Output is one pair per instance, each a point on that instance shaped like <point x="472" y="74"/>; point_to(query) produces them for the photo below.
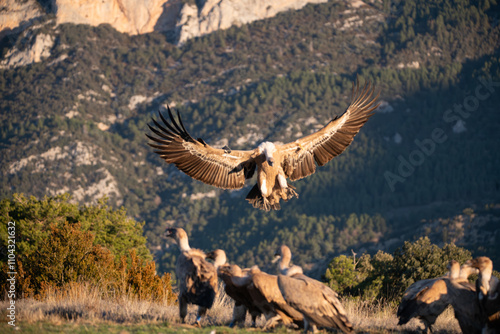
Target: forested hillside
<point x="76" y="123"/>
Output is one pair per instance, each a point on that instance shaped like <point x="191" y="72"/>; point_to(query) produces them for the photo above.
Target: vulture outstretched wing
<point x="322" y="146"/>
<point x="217" y="167"/>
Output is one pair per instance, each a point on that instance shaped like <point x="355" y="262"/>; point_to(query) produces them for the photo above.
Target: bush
<point x="58" y="243"/>
<point x="387" y="276"/>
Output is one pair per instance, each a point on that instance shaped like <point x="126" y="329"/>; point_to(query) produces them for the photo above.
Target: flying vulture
<point x="275" y="163"/>
<point x="318" y="303"/>
<point x="197" y="278"/>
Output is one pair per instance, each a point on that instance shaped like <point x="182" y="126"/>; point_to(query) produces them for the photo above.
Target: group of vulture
<point x="294" y="299"/>
<point x="476" y="306"/>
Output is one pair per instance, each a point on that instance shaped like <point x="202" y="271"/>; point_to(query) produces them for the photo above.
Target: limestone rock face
<point x="39" y="49"/>
<point x="127" y="16"/>
<point x="17" y="14"/>
<point x="222" y="14"/>
<point x="144" y="16"/>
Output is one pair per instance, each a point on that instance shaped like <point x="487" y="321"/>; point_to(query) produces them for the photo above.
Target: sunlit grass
<point x="82" y="308"/>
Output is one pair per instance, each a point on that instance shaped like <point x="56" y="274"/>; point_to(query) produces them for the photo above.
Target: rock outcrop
<point x="127" y="16"/>
<point x="189" y="19"/>
<point x="16" y="15"/>
<point x="39" y="48"/>
<point x="222" y="14"/>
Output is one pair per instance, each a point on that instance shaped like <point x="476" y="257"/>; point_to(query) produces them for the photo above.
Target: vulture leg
<point x="254" y="320"/>
<point x="308" y="327"/>
<point x="201" y="312"/>
<point x="272" y="322"/>
<point x="182" y="308"/>
<point x="239" y="314"/>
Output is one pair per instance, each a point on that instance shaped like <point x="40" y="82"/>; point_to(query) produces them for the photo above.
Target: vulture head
<point x="180" y="237"/>
<point x="218" y="256"/>
<point x="268" y="149"/>
<point x="284" y="256"/>
<point x="485" y="267"/>
<point x="236" y="274"/>
<point x="466" y="270"/>
<point x="453" y="268"/>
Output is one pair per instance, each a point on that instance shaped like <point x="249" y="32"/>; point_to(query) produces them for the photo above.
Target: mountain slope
<point x="76" y="122"/>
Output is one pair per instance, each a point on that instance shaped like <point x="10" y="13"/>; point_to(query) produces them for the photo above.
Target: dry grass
<point x="380" y="317"/>
<point x="84" y="304"/>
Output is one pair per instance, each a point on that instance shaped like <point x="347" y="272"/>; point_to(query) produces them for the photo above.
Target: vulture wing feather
<point x="175" y="145"/>
<point x="333" y="138"/>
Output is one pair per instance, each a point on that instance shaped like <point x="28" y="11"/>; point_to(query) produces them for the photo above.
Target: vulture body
<point x="275" y="163"/>
<point x="427" y="299"/>
<point x="240" y="295"/>
<point x="462" y="295"/>
<point x="487" y="294"/>
<point x="263" y="294"/>
<point x="318" y="303"/>
<point x="196" y="276"/>
<point x="266" y="286"/>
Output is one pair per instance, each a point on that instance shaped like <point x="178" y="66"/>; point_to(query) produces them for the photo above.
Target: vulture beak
<point x="210" y="255"/>
<point x="169" y="232"/>
<point x="277" y="257"/>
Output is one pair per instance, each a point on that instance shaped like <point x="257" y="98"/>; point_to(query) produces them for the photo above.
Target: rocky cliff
<point x="222" y="14"/>
<point x="188" y="18"/>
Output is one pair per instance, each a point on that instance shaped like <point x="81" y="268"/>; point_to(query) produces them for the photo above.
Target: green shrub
<point x="387" y="276"/>
<point x="58" y="243"/>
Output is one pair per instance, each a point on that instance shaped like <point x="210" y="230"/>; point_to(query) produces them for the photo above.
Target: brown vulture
<point x="275" y="163"/>
<point x="240" y="295"/>
<point x="262" y="293"/>
<point x="488" y="294"/>
<point x="197" y="278"/>
<point x="318" y="303"/>
<point x="427" y="299"/>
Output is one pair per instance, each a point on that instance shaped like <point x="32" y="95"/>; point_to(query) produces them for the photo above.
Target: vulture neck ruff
<point x="183" y="243"/>
<point x="454" y="270"/>
<point x="268" y="149"/>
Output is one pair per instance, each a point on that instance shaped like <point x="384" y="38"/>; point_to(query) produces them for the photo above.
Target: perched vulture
<point x="318" y="303"/>
<point x="427" y="299"/>
<point x="275" y="163"/>
<point x="488" y="290"/>
<point x="264" y="294"/>
<point x="240" y="295"/>
<point x="197" y="278"/>
<point x="462" y="296"/>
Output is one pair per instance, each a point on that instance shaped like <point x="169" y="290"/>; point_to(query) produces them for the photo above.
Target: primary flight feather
<point x="228" y="169"/>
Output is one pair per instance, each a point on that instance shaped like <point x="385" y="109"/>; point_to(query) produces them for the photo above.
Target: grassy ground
<point x="82" y="310"/>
